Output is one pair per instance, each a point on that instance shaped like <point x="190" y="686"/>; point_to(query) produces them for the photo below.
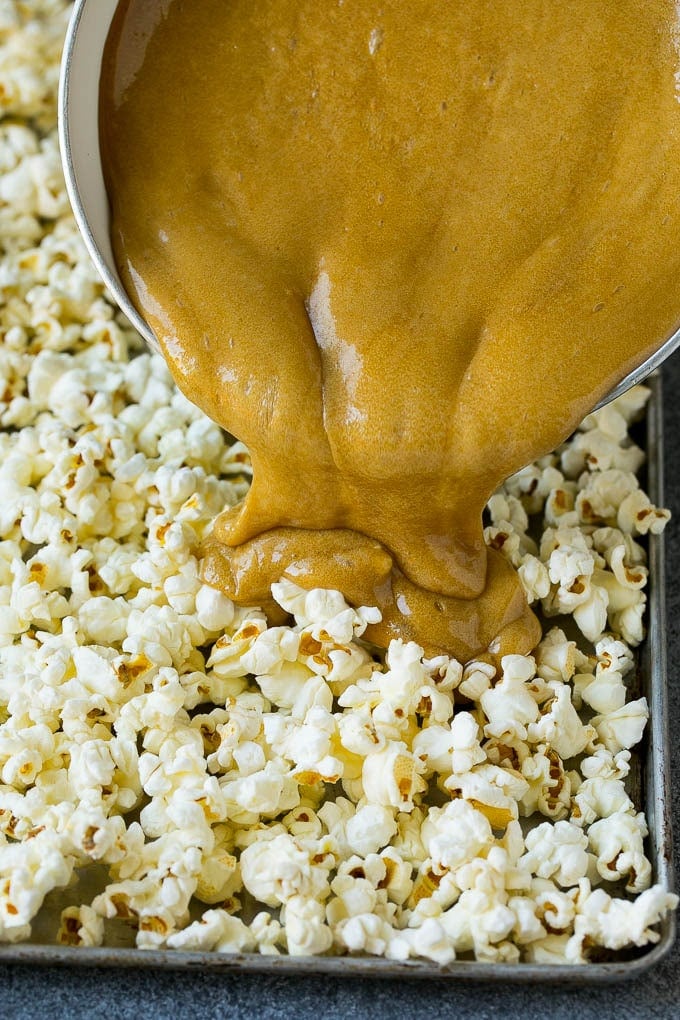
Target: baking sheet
<point x="651" y="791"/>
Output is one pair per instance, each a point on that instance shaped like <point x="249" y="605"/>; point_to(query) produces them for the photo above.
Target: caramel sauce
<point x="398" y="249"/>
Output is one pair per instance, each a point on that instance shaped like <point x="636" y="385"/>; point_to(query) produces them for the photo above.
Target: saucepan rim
<point x="70" y="135"/>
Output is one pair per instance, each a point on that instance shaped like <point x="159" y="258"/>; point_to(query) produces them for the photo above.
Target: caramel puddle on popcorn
<point x="399" y="250"/>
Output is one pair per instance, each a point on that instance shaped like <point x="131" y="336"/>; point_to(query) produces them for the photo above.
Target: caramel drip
<point x="399" y="250"/>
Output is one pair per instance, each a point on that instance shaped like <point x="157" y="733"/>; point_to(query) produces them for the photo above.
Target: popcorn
<point x="219" y="877"/>
<point x="28" y="871"/>
<point x="557" y="852"/>
<point x="527" y="927"/>
<point x="396" y="881"/>
<point x="370" y="829"/>
<point x="365" y="933"/>
<point x="269" y="791"/>
<point x="622" y="728"/>
<point x="559" y="724"/>
<point x="429" y="940"/>
<point x="556" y="657"/>
<point x="617" y="839"/>
<point x="217" y="930"/>
<point x="324" y="609"/>
<point x="276" y="871"/>
<point x="613" y="923"/>
<point x="555" y="908"/>
<point x="80" y="926"/>
<point x="477" y="922"/>
<point x="491" y="790"/>
<point x="393" y="776"/>
<point x="434" y="746"/>
<point x="307" y="934"/>
<point x="637" y="514"/>
<point x="549" y="786"/>
<point x="511" y="705"/>
<point x="157" y="900"/>
<point x="455" y="834"/>
<point x="476" y="679"/>
<point x="534" y="577"/>
<point x="267" y="934"/>
<point x="192" y="753"/>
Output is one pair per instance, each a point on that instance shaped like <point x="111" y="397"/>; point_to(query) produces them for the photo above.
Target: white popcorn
<point x="429" y="940"/>
<point x="637" y="514"/>
<point x="527" y="927"/>
<point x="559" y="724"/>
<point x="433" y="892"/>
<point x="216" y="930"/>
<point x="158" y="899"/>
<point x="614" y="923"/>
<point x="622" y="728"/>
<point x="365" y="933"/>
<point x="370" y="829"/>
<point x="617" y="840"/>
<point x="549" y="787"/>
<point x="476" y="679"/>
<point x="219" y="877"/>
<point x="493" y="791"/>
<point x="569" y="555"/>
<point x="267" y="933"/>
<point x="268" y="791"/>
<point x="511" y="705"/>
<point x="553" y="949"/>
<point x="319" y="608"/>
<point x="80" y="926"/>
<point x="93" y="834"/>
<point x="556" y="657"/>
<point x="406" y="676"/>
<point x="560" y="509"/>
<point x="307" y="933"/>
<point x="392" y="776"/>
<point x="455" y="834"/>
<point x="614" y="655"/>
<point x="604" y="492"/>
<point x="396" y="881"/>
<point x="270" y="651"/>
<point x="590" y="613"/>
<point x="360" y="736"/>
<point x="334" y="814"/>
<point x="604" y="764"/>
<point x="599" y="797"/>
<point x="28" y="871"/>
<point x="605" y="693"/>
<point x="534" y="577"/>
<point x="477" y="922"/>
<point x="91" y="765"/>
<point x="225" y="658"/>
<point x="276" y="871"/>
<point x="309" y="745"/>
<point x="467" y="751"/>
<point x="555" y="908"/>
<point x="434" y="746"/>
<point x="557" y="852"/>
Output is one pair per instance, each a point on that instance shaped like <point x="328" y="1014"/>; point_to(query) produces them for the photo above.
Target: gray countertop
<point x="48" y="992"/>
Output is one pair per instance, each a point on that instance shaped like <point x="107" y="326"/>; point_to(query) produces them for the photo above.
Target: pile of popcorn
<point x="245" y="787"/>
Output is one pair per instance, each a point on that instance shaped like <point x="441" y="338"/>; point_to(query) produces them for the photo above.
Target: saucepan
<point x="79" y="139"/>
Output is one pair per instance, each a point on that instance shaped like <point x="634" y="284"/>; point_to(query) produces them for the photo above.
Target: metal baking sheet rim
<point x="655" y="783"/>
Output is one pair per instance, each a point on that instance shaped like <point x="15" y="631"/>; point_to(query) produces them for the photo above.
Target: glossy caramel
<point x="399" y="249"/>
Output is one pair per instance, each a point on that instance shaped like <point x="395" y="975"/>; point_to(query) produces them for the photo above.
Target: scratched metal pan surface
<point x="650" y="790"/>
